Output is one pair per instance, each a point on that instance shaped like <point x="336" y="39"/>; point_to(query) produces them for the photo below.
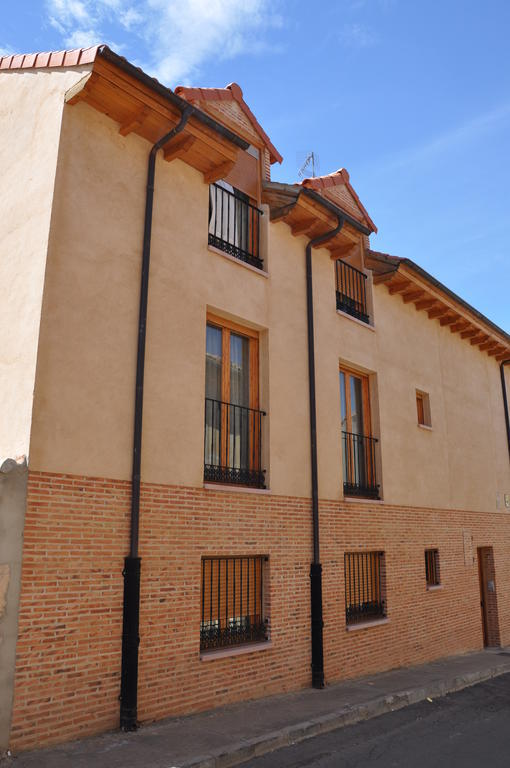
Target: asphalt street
<point x="463" y="730"/>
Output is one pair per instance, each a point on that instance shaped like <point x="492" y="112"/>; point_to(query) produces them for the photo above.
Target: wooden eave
<point x="401" y="280"/>
<point x="308" y="217"/>
<point x="139" y="109"/>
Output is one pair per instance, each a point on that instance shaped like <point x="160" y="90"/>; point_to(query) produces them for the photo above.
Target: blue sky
<point x="412" y="97"/>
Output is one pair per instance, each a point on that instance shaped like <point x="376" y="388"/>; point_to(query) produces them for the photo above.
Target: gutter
<point x="293" y="191"/>
<point x="317" y="623"/>
<point x="505" y="400"/>
<point x="150" y="82"/>
<point x="132" y="563"/>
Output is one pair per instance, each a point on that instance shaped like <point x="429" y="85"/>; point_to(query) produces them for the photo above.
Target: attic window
<point x="423" y="409"/>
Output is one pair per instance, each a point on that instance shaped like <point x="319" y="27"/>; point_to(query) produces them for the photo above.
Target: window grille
<point x="432" y="567"/>
<point x="232" y="605"/>
<point x="364" y="586"/>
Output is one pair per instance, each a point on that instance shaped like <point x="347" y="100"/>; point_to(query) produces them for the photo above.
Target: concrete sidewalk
<point x="231" y="735"/>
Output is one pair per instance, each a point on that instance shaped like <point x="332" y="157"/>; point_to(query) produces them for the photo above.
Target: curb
<point x="240" y="752"/>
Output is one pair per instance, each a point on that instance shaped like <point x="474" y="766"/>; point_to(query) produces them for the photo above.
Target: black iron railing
<point x="232" y="601"/>
<point x="359" y="465"/>
<point x="364" y="587"/>
<point x="234" y="225"/>
<point x="432" y="567"/>
<point x="351" y="292"/>
<point x="233" y="444"/>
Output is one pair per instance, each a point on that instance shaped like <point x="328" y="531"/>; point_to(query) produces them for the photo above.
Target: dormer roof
<point x="338" y="189"/>
<point x="228" y="105"/>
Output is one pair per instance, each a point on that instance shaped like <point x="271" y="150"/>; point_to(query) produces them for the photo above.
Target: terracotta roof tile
<point x="29" y="60"/>
<point x="73" y="58"/>
<point x="231" y="92"/>
<point x="42" y="59"/>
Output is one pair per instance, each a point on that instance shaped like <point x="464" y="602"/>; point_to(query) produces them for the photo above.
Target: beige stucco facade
<point x="31" y="107"/>
<point x="71" y="241"/>
<point x="87" y="353"/>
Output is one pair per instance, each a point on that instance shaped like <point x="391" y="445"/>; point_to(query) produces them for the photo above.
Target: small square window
<point x="423" y="409"/>
<point x="432" y="567"/>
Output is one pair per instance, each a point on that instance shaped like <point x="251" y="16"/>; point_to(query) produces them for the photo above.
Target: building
<point x="323" y="425"/>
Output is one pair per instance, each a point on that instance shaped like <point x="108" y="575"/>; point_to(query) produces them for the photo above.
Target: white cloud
<point x="6" y="50"/>
<point x="180" y="35"/>
<point x="82" y="38"/>
<point x="357" y="36"/>
<point x="454" y="139"/>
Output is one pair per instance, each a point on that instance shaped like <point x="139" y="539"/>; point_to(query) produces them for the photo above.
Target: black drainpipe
<point x="315" y="567"/>
<point x="505" y="401"/>
<point x="131" y="573"/>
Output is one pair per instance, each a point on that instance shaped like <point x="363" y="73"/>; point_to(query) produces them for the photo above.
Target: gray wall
<point x="13" y="495"/>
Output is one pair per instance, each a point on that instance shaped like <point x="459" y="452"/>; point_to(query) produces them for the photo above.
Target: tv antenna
<point x="311" y="163"/>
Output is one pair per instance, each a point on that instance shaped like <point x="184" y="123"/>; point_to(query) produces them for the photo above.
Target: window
<point x="351" y="291"/>
<point x="233" y="421"/>
<point x="364" y="586"/>
<point x="234" y="223"/>
<point x="358" y="447"/>
<point x="432" y="567"/>
<point x="232" y="603"/>
<point x="423" y="409"/>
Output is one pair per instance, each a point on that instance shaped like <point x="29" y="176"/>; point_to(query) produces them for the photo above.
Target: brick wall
<point x="76" y="535"/>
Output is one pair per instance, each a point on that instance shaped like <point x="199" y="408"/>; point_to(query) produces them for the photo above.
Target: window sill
<point x="425" y="426"/>
<point x="235" y="488"/>
<point x="355" y="320"/>
<point x="367" y="624"/>
<point x="237" y="261"/>
<point x="434" y="587"/>
<point x="241" y="650"/>
<point x="362" y="500"/>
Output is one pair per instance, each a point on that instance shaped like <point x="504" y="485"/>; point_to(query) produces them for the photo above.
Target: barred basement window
<point x="232" y="605"/>
<point x="432" y="567"/>
<point x="364" y="586"/>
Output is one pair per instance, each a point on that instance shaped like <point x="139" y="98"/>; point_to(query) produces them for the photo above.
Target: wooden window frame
<point x="365" y="399"/>
<point x="226" y="327"/>
<point x="423" y="409"/>
<point x="432" y="567"/>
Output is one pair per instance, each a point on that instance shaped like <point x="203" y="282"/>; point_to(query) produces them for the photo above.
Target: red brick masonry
<point x="76" y="536"/>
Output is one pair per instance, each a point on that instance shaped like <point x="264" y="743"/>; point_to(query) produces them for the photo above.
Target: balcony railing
<point x="351" y="293"/>
<point x="364" y="586"/>
<point x="232" y="602"/>
<point x="233" y="444"/>
<point x="359" y="465"/>
<point x="234" y="225"/>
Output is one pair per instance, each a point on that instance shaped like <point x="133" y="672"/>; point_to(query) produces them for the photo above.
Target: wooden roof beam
<point x="449" y="319"/>
<point x="504" y="355"/>
<point x="490" y="344"/>
<point x="399" y="287"/>
<point x="437" y="312"/>
<point x="409" y="296"/>
<point x="218" y="172"/>
<point x="469" y="333"/>
<point x="342" y="250"/>
<point x="178" y="147"/>
<point x="479" y="338"/>
<point x="460" y="325"/>
<point x="135" y="122"/>
<point x="425" y="303"/>
<point x="301" y="227"/>
<point x="496" y="350"/>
